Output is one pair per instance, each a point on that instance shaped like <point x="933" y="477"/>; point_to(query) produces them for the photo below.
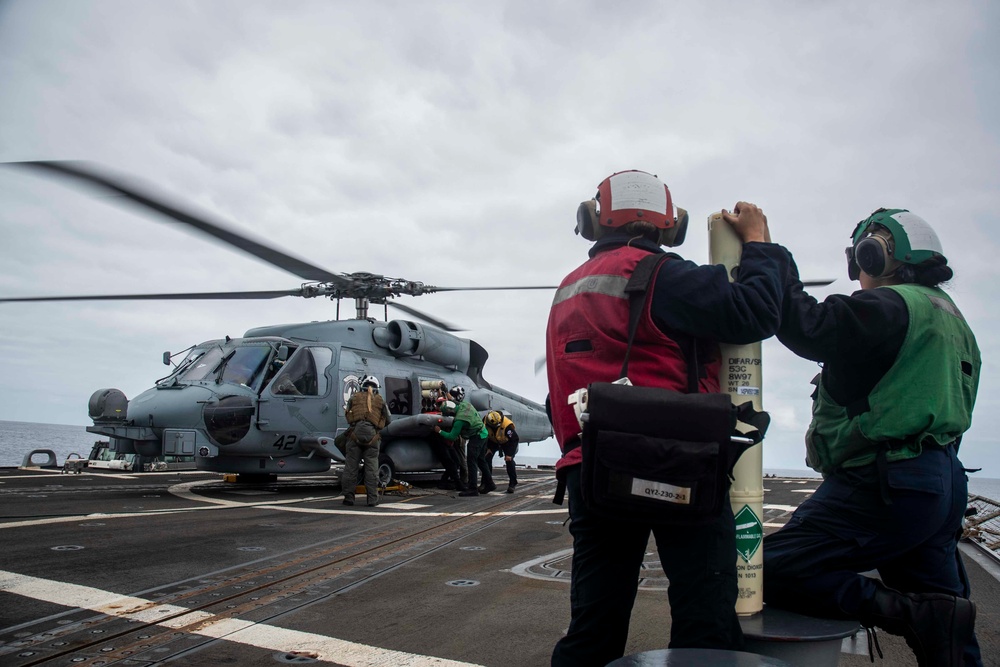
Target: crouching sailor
<point x="899" y="381"/>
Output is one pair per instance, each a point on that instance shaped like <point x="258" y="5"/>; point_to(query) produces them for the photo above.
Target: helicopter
<point x="272" y="401"/>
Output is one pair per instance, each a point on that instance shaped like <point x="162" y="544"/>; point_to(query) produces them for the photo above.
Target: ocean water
<point x="19" y="438"/>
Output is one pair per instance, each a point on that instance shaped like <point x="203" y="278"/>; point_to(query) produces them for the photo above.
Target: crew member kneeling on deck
<point x="586" y="341"/>
<point x="899" y="380"/>
<point x="367" y="414"/>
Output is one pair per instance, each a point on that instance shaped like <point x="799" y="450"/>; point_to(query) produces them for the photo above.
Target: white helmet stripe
<point x="636" y="189"/>
<point x="920" y="234"/>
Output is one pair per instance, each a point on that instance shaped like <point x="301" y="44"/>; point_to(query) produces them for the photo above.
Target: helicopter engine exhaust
<point x="409" y="339"/>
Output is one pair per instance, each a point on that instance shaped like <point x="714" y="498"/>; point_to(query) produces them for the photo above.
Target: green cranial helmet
<point x="913" y="239"/>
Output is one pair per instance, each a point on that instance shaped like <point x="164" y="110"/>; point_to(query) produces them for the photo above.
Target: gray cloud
<point x="451" y="142"/>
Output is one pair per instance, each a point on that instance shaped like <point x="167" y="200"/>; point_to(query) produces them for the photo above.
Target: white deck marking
<point x="783" y="508"/>
<point x="260" y="635"/>
<point x="400" y="506"/>
<point x="398" y="509"/>
<point x="184" y="491"/>
<point x="803" y="490"/>
<point x="524" y="569"/>
<point x="214" y="504"/>
<point x="97" y="515"/>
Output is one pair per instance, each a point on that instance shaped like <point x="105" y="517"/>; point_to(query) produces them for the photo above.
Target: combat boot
<point x="936" y="626"/>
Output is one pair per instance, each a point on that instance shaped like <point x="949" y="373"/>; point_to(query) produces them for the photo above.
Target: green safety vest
<point x="926" y="397"/>
<point x="465" y="412"/>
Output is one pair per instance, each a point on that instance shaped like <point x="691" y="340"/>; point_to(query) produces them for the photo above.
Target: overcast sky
<point x="450" y="142"/>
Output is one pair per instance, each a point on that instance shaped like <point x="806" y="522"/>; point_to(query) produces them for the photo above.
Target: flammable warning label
<point x="749" y="533"/>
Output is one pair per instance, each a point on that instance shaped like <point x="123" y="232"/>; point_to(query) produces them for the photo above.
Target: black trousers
<point x="447" y="454"/>
<point x="699" y="561"/>
<point x="813" y="565"/>
<point x="476" y="455"/>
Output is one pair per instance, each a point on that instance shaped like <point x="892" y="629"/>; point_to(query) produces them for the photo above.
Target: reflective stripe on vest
<point x="606" y="285"/>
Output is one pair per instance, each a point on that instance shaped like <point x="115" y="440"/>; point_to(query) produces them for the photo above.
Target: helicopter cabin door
<point x="301" y="401"/>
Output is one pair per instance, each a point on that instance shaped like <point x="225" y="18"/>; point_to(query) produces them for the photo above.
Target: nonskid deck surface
<point x="101" y="569"/>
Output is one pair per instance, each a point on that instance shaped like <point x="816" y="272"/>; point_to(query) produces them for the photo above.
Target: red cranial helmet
<point x="634" y="195"/>
<point x="628" y="196"/>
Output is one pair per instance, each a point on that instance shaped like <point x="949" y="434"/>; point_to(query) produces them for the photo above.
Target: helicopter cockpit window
<point x="398" y="395"/>
<point x="192" y="356"/>
<point x="246" y="365"/>
<point x="303" y="374"/>
<point x="204" y="367"/>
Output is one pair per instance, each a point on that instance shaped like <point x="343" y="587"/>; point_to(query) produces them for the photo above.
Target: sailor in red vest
<point x="687" y="305"/>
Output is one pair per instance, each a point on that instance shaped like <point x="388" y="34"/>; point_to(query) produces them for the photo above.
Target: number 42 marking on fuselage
<point x="286" y="442"/>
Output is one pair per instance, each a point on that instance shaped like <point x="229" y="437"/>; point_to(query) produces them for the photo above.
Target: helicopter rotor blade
<point x="87" y="174"/>
<point x="273" y="294"/>
<point x="430" y="289"/>
<point x="539" y="364"/>
<point x="816" y="283"/>
<point x="423" y="316"/>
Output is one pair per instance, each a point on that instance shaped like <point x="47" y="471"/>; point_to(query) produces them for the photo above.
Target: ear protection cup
<point x="853" y="270"/>
<point x="674" y="236"/>
<point x="873" y="256"/>
<point x="586" y="219"/>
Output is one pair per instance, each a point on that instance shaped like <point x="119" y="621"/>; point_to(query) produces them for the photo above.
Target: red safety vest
<point x="587" y="337"/>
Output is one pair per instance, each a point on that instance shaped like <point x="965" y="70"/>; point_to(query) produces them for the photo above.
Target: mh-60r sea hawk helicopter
<point x="272" y="402"/>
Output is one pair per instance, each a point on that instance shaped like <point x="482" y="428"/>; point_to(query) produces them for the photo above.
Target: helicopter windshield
<point x="246" y="365"/>
<point x="191" y="357"/>
<point x="240" y="365"/>
<point x="205" y="365"/>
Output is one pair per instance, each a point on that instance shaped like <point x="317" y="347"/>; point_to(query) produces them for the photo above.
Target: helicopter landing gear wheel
<point x="384" y="473"/>
<point x="386" y="470"/>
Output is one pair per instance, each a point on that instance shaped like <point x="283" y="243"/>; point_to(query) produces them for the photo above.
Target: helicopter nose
<point x="170" y="408"/>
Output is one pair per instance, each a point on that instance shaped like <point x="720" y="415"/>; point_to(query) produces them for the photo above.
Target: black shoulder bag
<point x="655" y="455"/>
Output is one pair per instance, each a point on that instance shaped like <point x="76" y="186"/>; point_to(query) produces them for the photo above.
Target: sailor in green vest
<point x="367" y="414"/>
<point x="896" y="393"/>
<point x="469" y="425"/>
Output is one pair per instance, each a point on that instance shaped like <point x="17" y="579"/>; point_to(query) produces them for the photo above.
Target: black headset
<point x="587" y="223"/>
<point x="873" y="255"/>
<point x="586" y="219"/>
